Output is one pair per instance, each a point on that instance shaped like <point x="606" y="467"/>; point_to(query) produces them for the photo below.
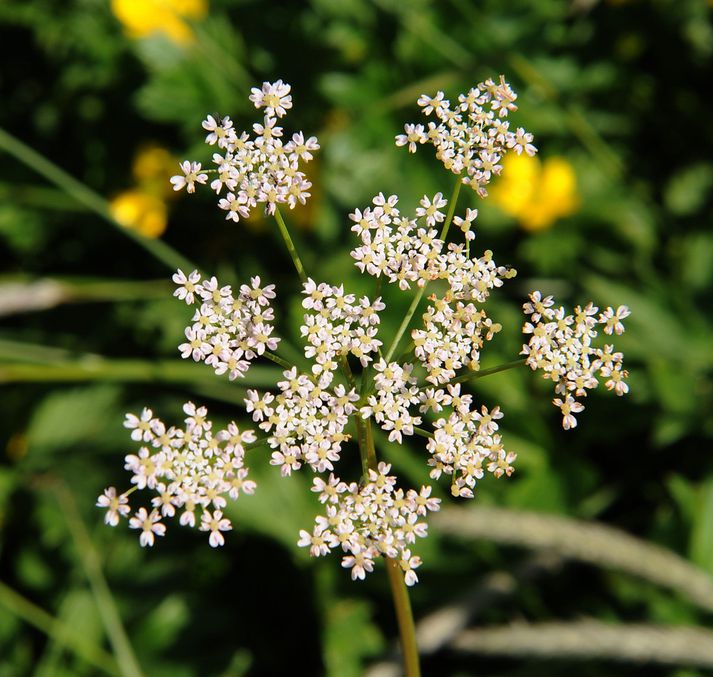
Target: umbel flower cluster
<point x="473" y="137"/>
<point x="189" y="468"/>
<point x="259" y="169"/>
<point x="561" y="346"/>
<point x="349" y="382"/>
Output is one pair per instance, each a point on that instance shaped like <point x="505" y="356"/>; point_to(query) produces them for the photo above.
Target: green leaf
<point x="350" y="636"/>
<point x="688" y="190"/>
<point x="67" y="418"/>
<point x="701" y="546"/>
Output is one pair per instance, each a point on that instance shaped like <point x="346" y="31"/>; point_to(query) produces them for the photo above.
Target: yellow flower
<point x="536" y="193"/>
<point x="145" y="17"/>
<point x="153" y="167"/>
<point x="140" y="211"/>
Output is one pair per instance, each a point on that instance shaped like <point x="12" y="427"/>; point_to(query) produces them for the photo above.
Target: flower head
<point x="560" y="345"/>
<point x="255" y="169"/>
<point x="473" y="137"/>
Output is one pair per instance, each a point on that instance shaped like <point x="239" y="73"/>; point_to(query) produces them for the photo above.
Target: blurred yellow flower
<point x="145" y="17"/>
<point x="153" y="167"/>
<point x="140" y="211"/>
<point x="536" y="193"/>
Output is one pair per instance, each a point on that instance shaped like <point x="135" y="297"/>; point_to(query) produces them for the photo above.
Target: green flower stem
<point x="344" y="364"/>
<point x="451" y="208"/>
<point x="402" y="604"/>
<point x="406" y="352"/>
<point x="404" y="617"/>
<point x="472" y="375"/>
<point x="405" y="322"/>
<point x="260" y="442"/>
<point x="56" y="630"/>
<point x="361" y="440"/>
<point x="91" y="563"/>
<point x="277" y="360"/>
<point x="90" y="199"/>
<point x="422" y="432"/>
<point x="290" y="246"/>
<point x="370" y="449"/>
<point x="417" y="299"/>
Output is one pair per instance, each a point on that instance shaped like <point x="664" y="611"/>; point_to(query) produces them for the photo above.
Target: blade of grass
<point x="590" y="542"/>
<point x="59" y="632"/>
<point x="25" y="296"/>
<point x="90" y="199"/>
<point x="119" y="640"/>
<point x="638" y="643"/>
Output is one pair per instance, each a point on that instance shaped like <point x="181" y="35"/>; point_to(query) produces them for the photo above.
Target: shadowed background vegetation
<point x="100" y="100"/>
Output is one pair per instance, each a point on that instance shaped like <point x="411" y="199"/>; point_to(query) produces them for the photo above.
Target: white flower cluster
<point x="470" y="137"/>
<point x="337" y="325"/>
<point x="187" y="468"/>
<point x="305" y="420"/>
<point x="396" y="391"/>
<point x="472" y="279"/>
<point x="466" y="441"/>
<point x="561" y="346"/>
<point x="227" y="332"/>
<point x="255" y="170"/>
<point x="451" y="339"/>
<point x="370" y="520"/>
<point x="394" y="246"/>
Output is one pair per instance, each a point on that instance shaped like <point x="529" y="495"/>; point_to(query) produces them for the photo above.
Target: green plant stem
<point x="56" y="629"/>
<point x="451" y="208"/>
<point x="347" y="370"/>
<point x="405" y="323"/>
<point x="417" y="299"/>
<point x="90" y="199"/>
<point x="94" y="368"/>
<point x="361" y="441"/>
<point x="473" y="375"/>
<point x="370" y="449"/>
<point x="404" y="617"/>
<point x="277" y="360"/>
<point x="89" y="558"/>
<point x="290" y="246"/>
<point x="422" y="432"/>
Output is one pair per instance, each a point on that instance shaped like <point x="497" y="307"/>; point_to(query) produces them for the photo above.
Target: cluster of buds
<point x="305" y="420"/>
<point x="394" y="246"/>
<point x="451" y="338"/>
<point x="465" y="442"/>
<point x="336" y="325"/>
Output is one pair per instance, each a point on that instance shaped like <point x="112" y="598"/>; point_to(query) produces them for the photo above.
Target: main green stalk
<point x="399" y="593"/>
<point x="402" y="605"/>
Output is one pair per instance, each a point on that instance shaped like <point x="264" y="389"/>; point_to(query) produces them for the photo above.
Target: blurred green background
<point x="617" y="209"/>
